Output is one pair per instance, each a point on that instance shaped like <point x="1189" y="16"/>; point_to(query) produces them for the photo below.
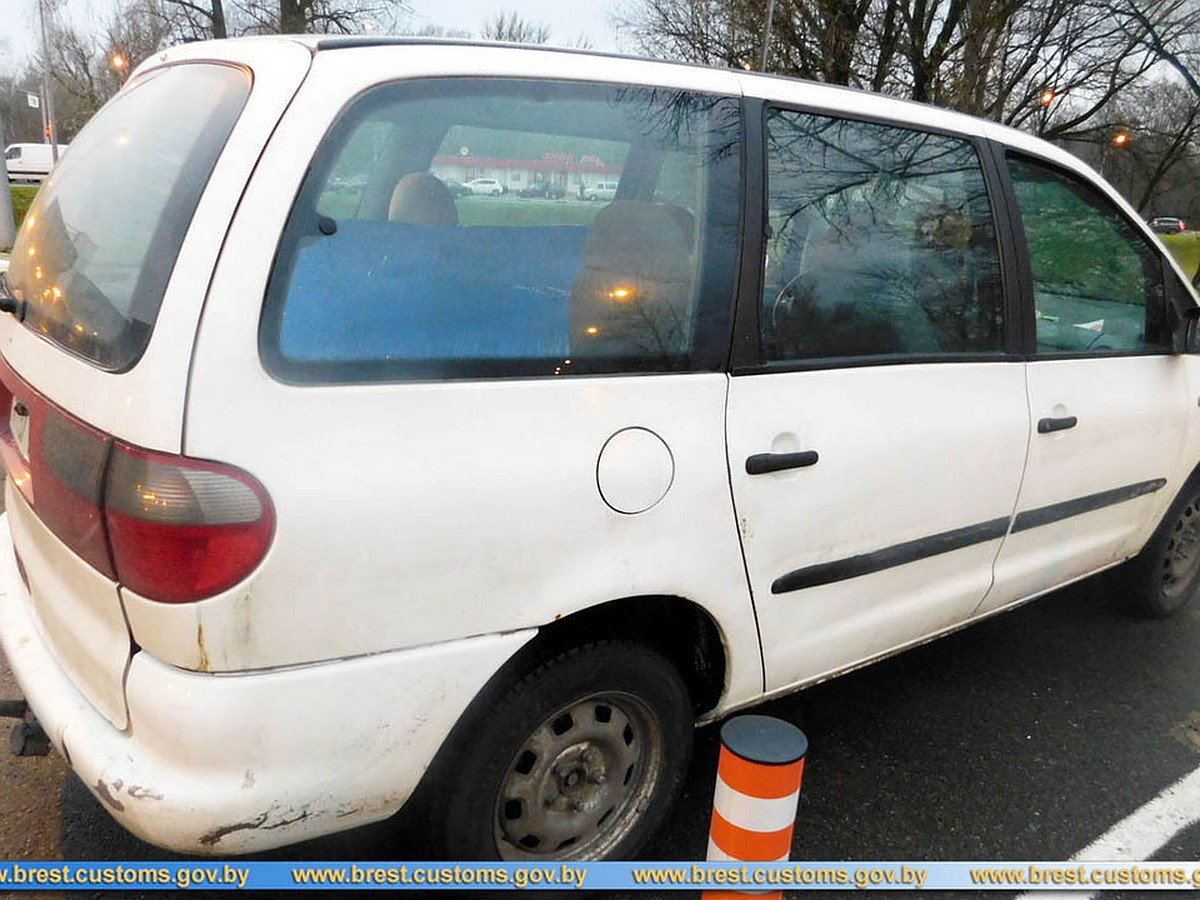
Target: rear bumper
<point x="223" y="764"/>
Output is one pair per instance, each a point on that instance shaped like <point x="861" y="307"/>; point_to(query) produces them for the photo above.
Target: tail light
<point x="168" y="527"/>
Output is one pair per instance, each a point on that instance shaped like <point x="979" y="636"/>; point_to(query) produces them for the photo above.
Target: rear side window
<point x="98" y="245"/>
<point x="881" y="243"/>
<point x="462" y="229"/>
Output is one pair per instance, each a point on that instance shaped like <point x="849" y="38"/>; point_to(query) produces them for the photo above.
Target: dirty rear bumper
<point x="223" y="764"/>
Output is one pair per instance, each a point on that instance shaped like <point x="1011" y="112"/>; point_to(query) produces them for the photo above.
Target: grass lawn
<point x="1186" y="248"/>
<point x="22" y="198"/>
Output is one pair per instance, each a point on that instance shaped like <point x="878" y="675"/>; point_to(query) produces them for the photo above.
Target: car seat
<point x="634" y="293"/>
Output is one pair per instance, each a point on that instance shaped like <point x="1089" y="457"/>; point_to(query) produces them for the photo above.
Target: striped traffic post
<point x="758" y="788"/>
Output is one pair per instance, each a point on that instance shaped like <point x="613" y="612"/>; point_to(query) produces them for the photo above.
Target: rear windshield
<point x="97" y="247"/>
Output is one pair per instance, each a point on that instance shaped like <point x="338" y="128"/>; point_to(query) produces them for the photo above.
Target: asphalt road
<point x="1022" y="738"/>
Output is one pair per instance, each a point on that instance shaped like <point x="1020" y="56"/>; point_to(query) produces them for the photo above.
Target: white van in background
<point x="601" y="190"/>
<point x="30" y="162"/>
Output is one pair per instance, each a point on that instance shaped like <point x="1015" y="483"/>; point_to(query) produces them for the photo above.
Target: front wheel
<point x="580" y="760"/>
<point x="1166" y="574"/>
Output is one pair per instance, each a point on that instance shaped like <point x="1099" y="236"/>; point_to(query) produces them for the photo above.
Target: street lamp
<point x="48" y="124"/>
<point x="1047" y="96"/>
<point x="1121" y="138"/>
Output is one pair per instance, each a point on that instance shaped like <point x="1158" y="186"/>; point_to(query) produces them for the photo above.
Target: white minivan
<point x="30" y="162"/>
<point x="328" y="497"/>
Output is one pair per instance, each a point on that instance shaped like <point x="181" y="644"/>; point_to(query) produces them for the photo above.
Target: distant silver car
<point x="1167" y="225"/>
<point x="487" y="186"/>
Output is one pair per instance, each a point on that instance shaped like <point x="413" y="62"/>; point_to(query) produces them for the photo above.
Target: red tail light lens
<point x="67" y="463"/>
<point x="168" y="527"/>
<point x="183" y="529"/>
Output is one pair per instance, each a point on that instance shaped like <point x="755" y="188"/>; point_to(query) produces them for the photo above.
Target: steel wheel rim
<point x="580" y="781"/>
<point x="1181" y="556"/>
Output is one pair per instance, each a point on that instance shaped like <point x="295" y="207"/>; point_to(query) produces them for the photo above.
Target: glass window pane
<point x="1097" y="280"/>
<point x="881" y="243"/>
<point x="99" y="243"/>
<point x="464" y="228"/>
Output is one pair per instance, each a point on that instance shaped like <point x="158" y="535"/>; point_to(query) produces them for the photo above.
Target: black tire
<point x="1165" y="576"/>
<point x="580" y="760"/>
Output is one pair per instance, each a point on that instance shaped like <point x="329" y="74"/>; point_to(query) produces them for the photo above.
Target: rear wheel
<point x="1166" y="575"/>
<point x="581" y="760"/>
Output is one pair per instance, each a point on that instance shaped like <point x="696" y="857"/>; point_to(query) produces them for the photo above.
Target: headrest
<point x="639" y="239"/>
<point x="421" y="199"/>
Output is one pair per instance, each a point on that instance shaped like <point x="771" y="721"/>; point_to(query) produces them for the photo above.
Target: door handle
<point x="762" y="463"/>
<point x="1045" y="426"/>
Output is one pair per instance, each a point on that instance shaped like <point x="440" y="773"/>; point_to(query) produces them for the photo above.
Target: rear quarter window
<point x="396" y="265"/>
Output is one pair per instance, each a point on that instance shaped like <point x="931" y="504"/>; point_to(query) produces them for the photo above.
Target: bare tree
<point x="1070" y="70"/>
<point x="438" y="31"/>
<point x="137" y="30"/>
<point x="711" y="32"/>
<point x="203" y="19"/>
<point x="993" y="58"/>
<point x="198" y="20"/>
<point x="509" y="26"/>
<point x="21" y="121"/>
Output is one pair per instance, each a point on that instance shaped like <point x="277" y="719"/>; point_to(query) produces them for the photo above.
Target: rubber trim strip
<point x="898" y="555"/>
<point x="1045" y="515"/>
<point x="957" y="539"/>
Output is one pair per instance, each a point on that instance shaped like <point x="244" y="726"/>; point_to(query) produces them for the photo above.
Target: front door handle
<point x="762" y="463"/>
<point x="1046" y="426"/>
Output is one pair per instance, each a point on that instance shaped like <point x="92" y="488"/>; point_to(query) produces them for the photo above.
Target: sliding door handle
<point x="762" y="463"/>
<point x="1046" y="426"/>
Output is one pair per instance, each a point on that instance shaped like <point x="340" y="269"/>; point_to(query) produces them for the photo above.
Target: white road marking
<point x="1139" y="835"/>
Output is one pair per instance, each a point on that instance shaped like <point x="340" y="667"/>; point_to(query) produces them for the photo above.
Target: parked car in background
<point x="488" y="186"/>
<point x="543" y="189"/>
<point x="456" y="188"/>
<point x="601" y="190"/>
<point x="30" y="163"/>
<point x="318" y="510"/>
<point x="1167" y="225"/>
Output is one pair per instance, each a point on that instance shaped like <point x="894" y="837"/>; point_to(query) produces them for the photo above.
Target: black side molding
<point x="947" y="541"/>
<point x="1045" y="515"/>
<point x="898" y="555"/>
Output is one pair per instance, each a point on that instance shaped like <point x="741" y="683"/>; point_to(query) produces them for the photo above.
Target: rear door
<point x="1108" y="400"/>
<point x="877" y="434"/>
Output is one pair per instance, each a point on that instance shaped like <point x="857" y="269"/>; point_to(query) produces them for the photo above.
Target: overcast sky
<point x="566" y="18"/>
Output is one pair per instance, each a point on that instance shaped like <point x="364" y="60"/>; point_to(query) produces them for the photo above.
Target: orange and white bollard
<point x="758" y="788"/>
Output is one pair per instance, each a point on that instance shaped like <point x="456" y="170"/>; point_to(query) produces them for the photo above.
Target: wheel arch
<point x="681" y="630"/>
